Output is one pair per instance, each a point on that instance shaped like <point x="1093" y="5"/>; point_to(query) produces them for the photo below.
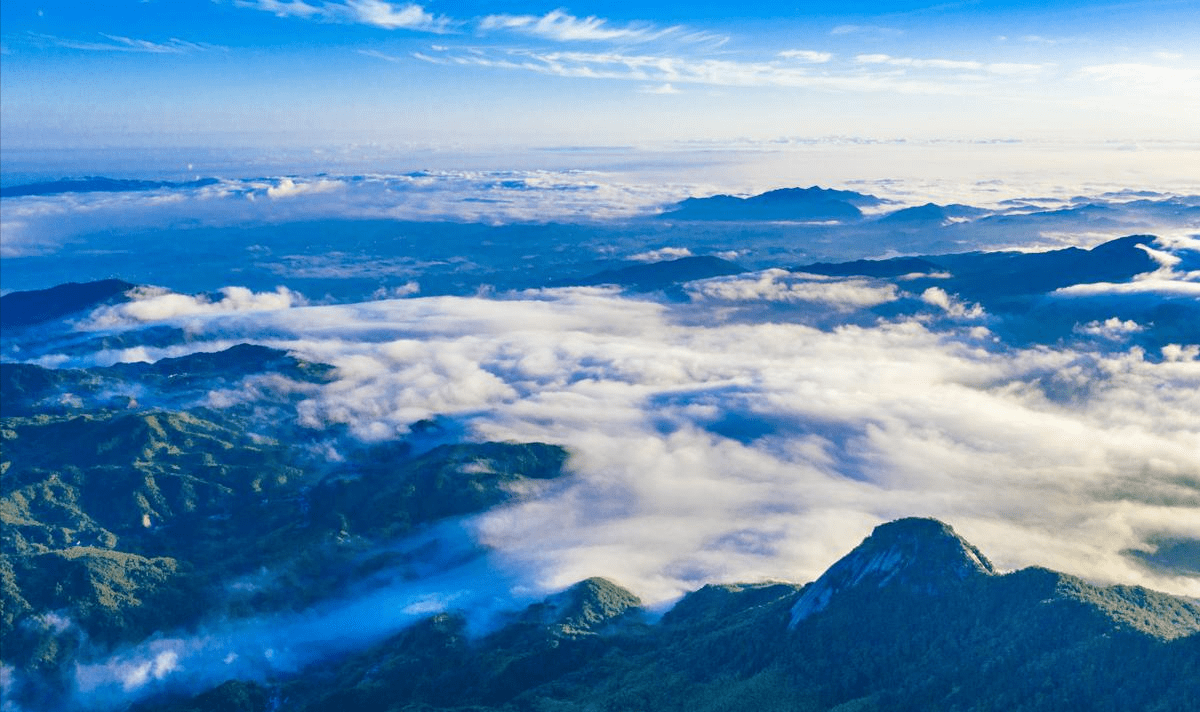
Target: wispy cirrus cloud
<point x="1007" y="68"/>
<point x="868" y="30"/>
<point x="284" y="8"/>
<point x="561" y="26"/>
<point x="556" y="25"/>
<point x="390" y="16"/>
<point x="376" y="13"/>
<point x="805" y="55"/>
<point x="380" y="55"/>
<point x="667" y="69"/>
<point x="117" y="43"/>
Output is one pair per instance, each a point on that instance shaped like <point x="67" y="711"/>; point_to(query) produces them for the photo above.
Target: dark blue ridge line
<point x="20" y="309"/>
<point x="97" y="184"/>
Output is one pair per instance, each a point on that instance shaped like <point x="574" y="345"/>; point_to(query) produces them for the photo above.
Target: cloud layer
<point x="750" y="427"/>
<point x="39" y="224"/>
<point x="376" y="13"/>
<point x="712" y="448"/>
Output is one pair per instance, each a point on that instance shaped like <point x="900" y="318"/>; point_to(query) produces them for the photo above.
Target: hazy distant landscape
<point x="361" y="355"/>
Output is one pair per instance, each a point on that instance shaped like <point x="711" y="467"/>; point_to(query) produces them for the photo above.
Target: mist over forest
<point x="325" y="425"/>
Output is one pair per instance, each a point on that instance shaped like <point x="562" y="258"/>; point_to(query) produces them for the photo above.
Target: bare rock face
<point x="923" y="556"/>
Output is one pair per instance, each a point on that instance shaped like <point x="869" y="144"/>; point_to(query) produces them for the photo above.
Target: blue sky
<point x="313" y="72"/>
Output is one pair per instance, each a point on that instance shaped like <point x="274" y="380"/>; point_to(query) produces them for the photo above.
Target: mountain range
<point x="98" y="184"/>
<point x="124" y="520"/>
<point x="34" y="307"/>
<point x="914" y="618"/>
<point x="784" y="204"/>
<point x="164" y="489"/>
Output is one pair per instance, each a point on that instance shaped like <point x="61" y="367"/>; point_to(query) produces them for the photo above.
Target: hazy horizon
<point x="481" y="75"/>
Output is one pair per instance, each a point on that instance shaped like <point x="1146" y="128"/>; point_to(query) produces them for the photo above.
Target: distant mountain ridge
<point x="1005" y="280"/>
<point x="1019" y="290"/>
<point x="19" y="309"/>
<point x="660" y="275"/>
<point x="30" y="389"/>
<point x="97" y="184"/>
<point x="914" y="618"/>
<point x="929" y="215"/>
<point x="978" y="275"/>
<point x="784" y="204"/>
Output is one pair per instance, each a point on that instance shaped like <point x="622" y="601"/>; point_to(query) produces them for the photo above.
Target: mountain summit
<point x="919" y="555"/>
<point x="784" y="204"/>
<point x="21" y="309"/>
<point x="917" y="620"/>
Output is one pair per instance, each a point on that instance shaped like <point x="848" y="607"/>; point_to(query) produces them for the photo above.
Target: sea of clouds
<point x="104" y="221"/>
<point x="754" y="429"/>
<point x="42" y="224"/>
<point x="710" y="441"/>
<point x="716" y="443"/>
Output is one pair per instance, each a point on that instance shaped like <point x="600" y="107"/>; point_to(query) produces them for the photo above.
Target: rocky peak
<point x="587" y="606"/>
<point x="920" y="555"/>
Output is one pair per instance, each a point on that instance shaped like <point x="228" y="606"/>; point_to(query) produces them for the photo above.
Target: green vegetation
<point x="1029" y="640"/>
<point x="120" y="522"/>
<point x="176" y="383"/>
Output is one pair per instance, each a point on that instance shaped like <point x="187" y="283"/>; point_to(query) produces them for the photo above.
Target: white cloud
<point x="919" y="63"/>
<point x="1158" y="286"/>
<point x="1111" y="328"/>
<point x="407" y="289"/>
<point x="375" y="13"/>
<point x="1178" y="353"/>
<point x="1166" y="281"/>
<point x="663" y="253"/>
<point x="161" y="660"/>
<point x="708" y="449"/>
<point x="116" y="43"/>
<point x="152" y="304"/>
<point x="379" y="55"/>
<point x="560" y="26"/>
<point x="686" y="70"/>
<point x="285" y="8"/>
<point x="287" y="187"/>
<point x="261" y="648"/>
<point x="392" y="16"/>
<point x="950" y="304"/>
<point x="40" y="224"/>
<point x="777" y="285"/>
<point x="806" y="55"/>
<point x="1000" y="68"/>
